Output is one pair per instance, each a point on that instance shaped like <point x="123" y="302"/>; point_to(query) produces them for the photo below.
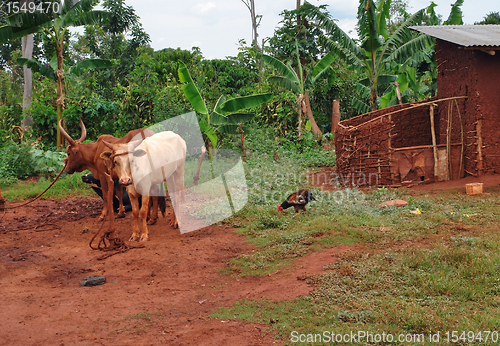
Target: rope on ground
<point x="111" y="244"/>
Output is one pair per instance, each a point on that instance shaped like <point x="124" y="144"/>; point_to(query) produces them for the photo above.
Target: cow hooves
<point x="134" y="238"/>
<point x="121" y="215"/>
<point x="152" y="222"/>
<point x="144" y="239"/>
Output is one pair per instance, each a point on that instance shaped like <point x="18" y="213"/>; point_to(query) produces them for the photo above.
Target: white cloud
<point x="216" y="26"/>
<point x="203" y="8"/>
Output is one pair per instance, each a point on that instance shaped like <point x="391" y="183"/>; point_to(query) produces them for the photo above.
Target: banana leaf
<point x="209" y="132"/>
<point x="322" y="65"/>
<point x="239" y="103"/>
<point x="90" y="64"/>
<point x="37" y="66"/>
<point x="285" y="83"/>
<point x="282" y="69"/>
<point x="191" y="91"/>
<point x="218" y="119"/>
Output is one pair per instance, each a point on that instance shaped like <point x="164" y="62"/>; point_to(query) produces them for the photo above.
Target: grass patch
<point x="65" y="186"/>
<point x="452" y="285"/>
<point x="422" y="273"/>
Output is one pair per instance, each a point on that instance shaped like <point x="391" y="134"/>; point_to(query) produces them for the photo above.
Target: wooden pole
<point x="398" y="93"/>
<point x="434" y="144"/>
<point x="479" y="126"/>
<point x="461" y="168"/>
<point x="335" y="115"/>
<point x="448" y="139"/>
<point x="389" y="145"/>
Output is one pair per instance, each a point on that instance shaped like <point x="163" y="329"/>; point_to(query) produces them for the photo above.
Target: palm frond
<point x="321" y="66"/>
<point x="368" y="27"/>
<point x="218" y="119"/>
<point x="88" y="18"/>
<point x="401" y="34"/>
<point x="285" y="83"/>
<point x="331" y="28"/>
<point x="342" y="52"/>
<point x="80" y="7"/>
<point x="283" y="70"/>
<point x="90" y="64"/>
<point x="24" y="20"/>
<point x="383" y="8"/>
<point x="410" y="48"/>
<point x="37" y="66"/>
<point x="22" y="24"/>
<point x="455" y="17"/>
<point x="360" y="106"/>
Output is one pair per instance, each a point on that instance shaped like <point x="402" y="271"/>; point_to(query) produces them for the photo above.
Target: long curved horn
<point x="84" y="131"/>
<point x="65" y="134"/>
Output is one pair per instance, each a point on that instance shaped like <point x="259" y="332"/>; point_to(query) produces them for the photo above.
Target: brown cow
<point x="83" y="156"/>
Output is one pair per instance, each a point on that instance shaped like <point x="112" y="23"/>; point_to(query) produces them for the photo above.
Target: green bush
<point x="15" y="162"/>
<point x="19" y="161"/>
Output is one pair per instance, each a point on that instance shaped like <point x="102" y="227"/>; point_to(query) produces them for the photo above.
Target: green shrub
<point x="19" y="161"/>
<point x="16" y="162"/>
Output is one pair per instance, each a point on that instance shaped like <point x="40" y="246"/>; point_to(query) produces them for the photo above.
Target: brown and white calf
<point x="139" y="165"/>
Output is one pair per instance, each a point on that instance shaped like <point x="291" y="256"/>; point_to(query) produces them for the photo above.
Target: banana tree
<point x="417" y="76"/>
<point x="295" y="81"/>
<point x="49" y="70"/>
<point x="226" y="117"/>
<point x="378" y="46"/>
<point x="55" y="24"/>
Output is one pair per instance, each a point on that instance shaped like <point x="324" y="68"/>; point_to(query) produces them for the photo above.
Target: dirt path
<point x="162" y="294"/>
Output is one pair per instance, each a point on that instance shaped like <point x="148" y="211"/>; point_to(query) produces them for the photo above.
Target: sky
<point x="216" y="26"/>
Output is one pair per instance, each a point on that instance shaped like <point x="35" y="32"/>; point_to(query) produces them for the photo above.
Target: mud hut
<point x="453" y="134"/>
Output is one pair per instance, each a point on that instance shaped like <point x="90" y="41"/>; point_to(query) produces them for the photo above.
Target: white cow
<point x="140" y="165"/>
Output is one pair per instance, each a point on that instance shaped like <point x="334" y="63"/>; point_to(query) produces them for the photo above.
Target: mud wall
<point x="365" y="144"/>
<point x="411" y="124"/>
<point x="472" y="73"/>
<point x="363" y="155"/>
<point x="488" y="100"/>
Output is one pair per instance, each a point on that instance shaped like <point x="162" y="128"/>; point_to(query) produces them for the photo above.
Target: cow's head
<point x="75" y="161"/>
<point x="121" y="158"/>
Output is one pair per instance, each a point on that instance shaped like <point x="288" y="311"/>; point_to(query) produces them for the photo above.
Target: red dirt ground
<point x="162" y="294"/>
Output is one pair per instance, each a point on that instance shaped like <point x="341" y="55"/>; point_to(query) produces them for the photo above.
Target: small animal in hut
<point x="297" y="200"/>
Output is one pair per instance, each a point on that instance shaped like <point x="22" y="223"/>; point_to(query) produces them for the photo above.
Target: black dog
<point x="96" y="186"/>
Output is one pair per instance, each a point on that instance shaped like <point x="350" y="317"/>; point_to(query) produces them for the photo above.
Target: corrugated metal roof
<point x="464" y="35"/>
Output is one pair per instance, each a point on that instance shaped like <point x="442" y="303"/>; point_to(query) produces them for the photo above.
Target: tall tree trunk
<point x="301" y="111"/>
<point x="250" y="4"/>
<point x="373" y="96"/>
<point x="27" y="50"/>
<point x="314" y="127"/>
<point x="60" y="88"/>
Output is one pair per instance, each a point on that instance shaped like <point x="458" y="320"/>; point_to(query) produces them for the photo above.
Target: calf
<point x="140" y="165"/>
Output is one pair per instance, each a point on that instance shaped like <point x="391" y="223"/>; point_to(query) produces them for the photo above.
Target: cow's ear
<point x="139" y="152"/>
<point x="106" y="155"/>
